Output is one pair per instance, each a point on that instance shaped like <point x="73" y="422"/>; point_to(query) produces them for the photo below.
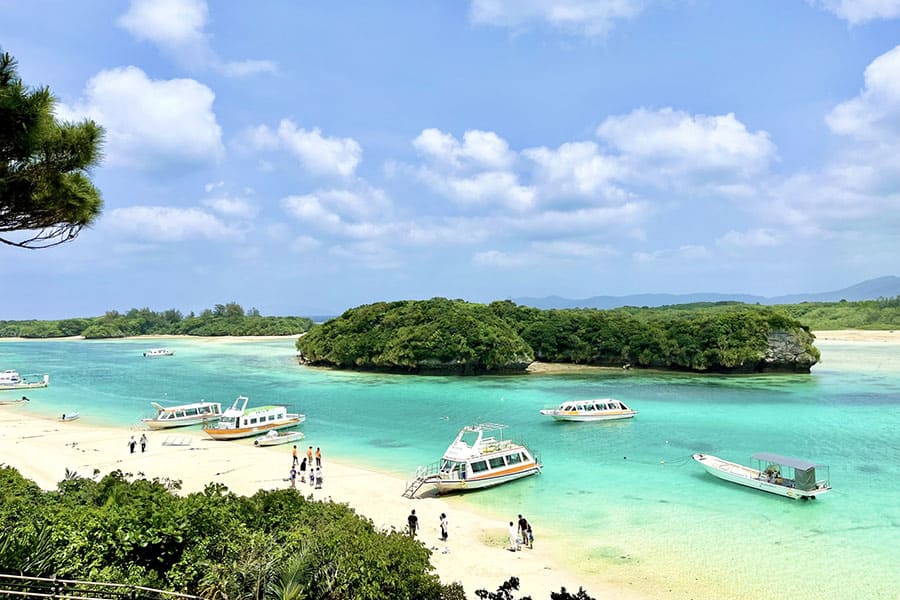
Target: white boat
<point x="158" y="352"/>
<point x="240" y="421"/>
<point x="11" y="380"/>
<point x="475" y="460"/>
<point x="70" y="416"/>
<point x="773" y="473"/>
<point x="183" y="414"/>
<point x="602" y="409"/>
<point x="273" y="438"/>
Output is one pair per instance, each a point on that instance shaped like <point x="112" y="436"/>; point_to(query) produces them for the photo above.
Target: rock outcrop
<point x="790" y="351"/>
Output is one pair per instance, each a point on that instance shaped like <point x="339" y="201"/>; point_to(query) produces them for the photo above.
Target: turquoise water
<point x="620" y="499"/>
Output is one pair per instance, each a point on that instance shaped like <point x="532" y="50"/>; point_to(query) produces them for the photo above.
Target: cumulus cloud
<point x="177" y="27"/>
<point x="361" y="213"/>
<point x="479" y="149"/>
<point x="586" y="17"/>
<point x="319" y="154"/>
<point x="169" y="224"/>
<point x="150" y="123"/>
<point x="577" y="168"/>
<point x="856" y="12"/>
<point x="232" y="207"/>
<point x="662" y="144"/>
<point x="874" y="114"/>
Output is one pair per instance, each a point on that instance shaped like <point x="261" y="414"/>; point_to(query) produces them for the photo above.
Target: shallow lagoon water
<point x="622" y="498"/>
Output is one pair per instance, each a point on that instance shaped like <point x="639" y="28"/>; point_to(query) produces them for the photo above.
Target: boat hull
<point x="448" y="486"/>
<point x="285" y="438"/>
<point x="243" y="432"/>
<point x="562" y="416"/>
<point x="69" y="417"/>
<point x="172" y="423"/>
<point x="747" y="477"/>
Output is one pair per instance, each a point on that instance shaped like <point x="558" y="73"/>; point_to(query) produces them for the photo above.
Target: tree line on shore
<point x="274" y="544"/>
<point x="223" y="319"/>
<point x="455" y="336"/>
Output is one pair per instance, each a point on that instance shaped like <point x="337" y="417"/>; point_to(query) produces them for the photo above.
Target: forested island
<point x="221" y="320"/>
<point x="458" y="337"/>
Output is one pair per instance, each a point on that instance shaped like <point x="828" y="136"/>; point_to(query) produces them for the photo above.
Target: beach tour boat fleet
<point x="479" y="457"/>
<point x="240" y="421"/>
<point x="11" y="380"/>
<point x="773" y="473"/>
<point x="158" y="352"/>
<point x="603" y="409"/>
<point x="182" y="415"/>
<point x="274" y="438"/>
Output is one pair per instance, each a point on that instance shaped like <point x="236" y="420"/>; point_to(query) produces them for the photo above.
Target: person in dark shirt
<point x="413" y="522"/>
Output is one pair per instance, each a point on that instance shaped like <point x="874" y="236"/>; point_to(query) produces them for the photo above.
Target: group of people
<point x="132" y="443"/>
<point x="520" y="534"/>
<point x="315" y="473"/>
<point x="412" y="525"/>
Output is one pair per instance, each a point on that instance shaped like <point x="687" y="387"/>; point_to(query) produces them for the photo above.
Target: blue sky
<point x="304" y="157"/>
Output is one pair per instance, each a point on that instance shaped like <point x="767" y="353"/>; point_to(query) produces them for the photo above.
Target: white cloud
<point x="150" y="123"/>
<point x="178" y="28"/>
<point x="875" y="113"/>
<point x="572" y="249"/>
<point x="586" y="17"/>
<point x="232" y="207"/>
<point x="856" y="12"/>
<point x="682" y="253"/>
<point x="319" y="154"/>
<point x="662" y="144"/>
<point x="576" y="168"/>
<point x="169" y="224"/>
<point x="492" y="188"/>
<point x="310" y="209"/>
<point x="480" y="149"/>
<point x="498" y="258"/>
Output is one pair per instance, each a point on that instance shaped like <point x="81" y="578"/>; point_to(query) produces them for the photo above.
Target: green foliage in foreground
<point x="224" y="319"/>
<point x="458" y="336"/>
<point x="212" y="543"/>
<point x="883" y="313"/>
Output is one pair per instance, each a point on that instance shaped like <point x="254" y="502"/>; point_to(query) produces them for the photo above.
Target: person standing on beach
<point x="309" y="457"/>
<point x="143" y="443"/>
<point x="132" y="444"/>
<point x="312" y="476"/>
<point x="513" y="537"/>
<point x="413" y="522"/>
<point x="523" y="529"/>
<point x="293" y="477"/>
<point x="294" y="452"/>
<point x="530" y="538"/>
<point x="444" y="527"/>
<point x="318" y="457"/>
<point x="318" y="478"/>
<point x="303" y="471"/>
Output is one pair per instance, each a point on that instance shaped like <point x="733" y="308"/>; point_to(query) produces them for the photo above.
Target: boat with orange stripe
<point x="604" y="409"/>
<point x="240" y="421"/>
<point x="479" y="457"/>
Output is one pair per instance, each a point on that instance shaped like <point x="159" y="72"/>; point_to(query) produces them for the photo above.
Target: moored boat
<point x="274" y="438"/>
<point x="773" y="473"/>
<point x="184" y="414"/>
<point x="69" y="416"/>
<point x="158" y="352"/>
<point x="603" y="409"/>
<point x="240" y="421"/>
<point x="475" y="460"/>
<point x="11" y="380"/>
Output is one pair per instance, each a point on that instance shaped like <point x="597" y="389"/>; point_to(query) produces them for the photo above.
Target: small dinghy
<point x="70" y="416"/>
<point x="274" y="438"/>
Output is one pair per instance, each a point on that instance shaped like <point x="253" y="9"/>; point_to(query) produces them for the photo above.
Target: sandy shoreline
<point x="42" y="448"/>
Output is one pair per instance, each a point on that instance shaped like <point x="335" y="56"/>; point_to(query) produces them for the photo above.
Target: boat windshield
<point x="227" y="421"/>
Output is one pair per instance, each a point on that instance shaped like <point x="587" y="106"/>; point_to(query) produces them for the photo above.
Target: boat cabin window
<point x="513" y="459"/>
<point x="497" y="462"/>
<point x="449" y="466"/>
<point x="271" y="417"/>
<point x="613" y="405"/>
<point x="568" y="407"/>
<point x="228" y="420"/>
<point x="478" y="467"/>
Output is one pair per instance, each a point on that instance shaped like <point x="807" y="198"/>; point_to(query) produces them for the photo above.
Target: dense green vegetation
<point x="212" y="543"/>
<point x="224" y="319"/>
<point x="883" y="313"/>
<point x="437" y="335"/>
<point x="462" y="337"/>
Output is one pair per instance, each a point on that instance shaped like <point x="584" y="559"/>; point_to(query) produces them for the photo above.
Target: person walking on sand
<point x="530" y="538"/>
<point x="132" y="444"/>
<point x="294" y="452"/>
<point x="143" y="443"/>
<point x="444" y="526"/>
<point x="303" y="471"/>
<point x="412" y="522"/>
<point x="293" y="477"/>
<point x="513" y="537"/>
<point x="318" y="457"/>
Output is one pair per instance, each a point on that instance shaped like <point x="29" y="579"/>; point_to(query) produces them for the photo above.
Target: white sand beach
<point x="858" y="335"/>
<point x="475" y="553"/>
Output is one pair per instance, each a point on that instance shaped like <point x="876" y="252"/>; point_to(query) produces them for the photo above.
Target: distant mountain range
<point x="872" y="289"/>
